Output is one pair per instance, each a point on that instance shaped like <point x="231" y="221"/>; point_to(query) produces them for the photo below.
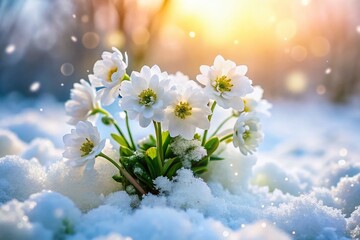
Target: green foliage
<point x="125" y="151"/>
<point x="119" y="139"/>
<point x="211" y="145"/>
<point x="143" y="164"/>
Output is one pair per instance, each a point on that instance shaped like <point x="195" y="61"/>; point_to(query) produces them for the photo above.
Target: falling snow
<point x="10" y="49"/>
<point x="35" y="86"/>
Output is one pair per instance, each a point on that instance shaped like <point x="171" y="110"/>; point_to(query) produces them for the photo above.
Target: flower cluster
<point x="180" y="111"/>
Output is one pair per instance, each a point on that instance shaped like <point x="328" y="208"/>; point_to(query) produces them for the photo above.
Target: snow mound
<point x="306" y="218"/>
<point x="234" y="173"/>
<point x="44" y="215"/>
<point x="53" y="211"/>
<point x="43" y="150"/>
<point x="10" y="144"/>
<point x="20" y="178"/>
<point x="14" y="224"/>
<point x="353" y="226"/>
<point x="108" y="222"/>
<point x="85" y="188"/>
<point x="275" y="177"/>
<point x="347" y="193"/>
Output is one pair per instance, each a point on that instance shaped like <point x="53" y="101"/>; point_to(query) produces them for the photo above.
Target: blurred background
<point x="294" y="49"/>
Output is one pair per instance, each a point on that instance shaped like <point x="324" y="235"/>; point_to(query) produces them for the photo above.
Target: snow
<point x="188" y="150"/>
<point x="20" y="178"/>
<point x="303" y="184"/>
<point x="85" y="187"/>
<point x="347" y="193"/>
<point x="43" y="150"/>
<point x="308" y="218"/>
<point x="10" y="143"/>
<point x="353" y="224"/>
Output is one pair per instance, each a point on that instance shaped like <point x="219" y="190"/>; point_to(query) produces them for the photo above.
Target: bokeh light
<point x="272" y="39"/>
<point x="35" y="86"/>
<point x="286" y="29"/>
<point x="90" y="40"/>
<point x="67" y="69"/>
<point x="298" y="53"/>
<point x="10" y="49"/>
<point x="296" y="82"/>
<point x="319" y="46"/>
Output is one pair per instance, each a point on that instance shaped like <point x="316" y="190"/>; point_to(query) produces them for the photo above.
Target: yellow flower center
<point x="246" y="134"/>
<point x="110" y="73"/>
<point x="183" y="110"/>
<point x="147" y="97"/>
<point x="246" y="106"/>
<point x="223" y="84"/>
<point x="86" y="147"/>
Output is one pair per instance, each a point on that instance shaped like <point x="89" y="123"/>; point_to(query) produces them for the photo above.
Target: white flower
<point x="82" y="145"/>
<point x="180" y="80"/>
<point x="146" y="95"/>
<point x="254" y="103"/>
<point x="247" y="133"/>
<point x="225" y="83"/>
<point x="82" y="102"/>
<point x="188" y="110"/>
<point x="108" y="74"/>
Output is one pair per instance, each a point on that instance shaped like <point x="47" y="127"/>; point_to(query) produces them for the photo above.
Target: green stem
<point x="120" y="132"/>
<point x="112" y="120"/>
<point x="226" y="137"/>
<point x="124" y="173"/>
<point x="159" y="146"/>
<point x="129" y="131"/>
<point x="209" y="117"/>
<point x="100" y="110"/>
<point x="222" y="124"/>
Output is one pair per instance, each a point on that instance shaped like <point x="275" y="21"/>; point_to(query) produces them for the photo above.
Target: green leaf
<point x="119" y="139"/>
<point x="216" y="158"/>
<point x="170" y="174"/>
<point x="202" y="162"/>
<point x="152" y="166"/>
<point x="151" y="152"/>
<point x="147" y="143"/>
<point x="167" y="164"/>
<point x="142" y="174"/>
<point x="129" y="162"/>
<point x="199" y="170"/>
<point x="125" y="152"/>
<point x="152" y="139"/>
<point x="211" y="145"/>
<point x="166" y="140"/>
<point x="117" y="178"/>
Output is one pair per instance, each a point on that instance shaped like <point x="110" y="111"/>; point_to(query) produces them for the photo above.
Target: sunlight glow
<point x="296" y="82"/>
<point x="213" y="21"/>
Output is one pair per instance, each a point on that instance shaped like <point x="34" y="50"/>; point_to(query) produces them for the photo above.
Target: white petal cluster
<point x="247" y="133"/>
<point x="82" y="102"/>
<point x="82" y="145"/>
<point x="254" y="102"/>
<point x="147" y="95"/>
<point x="180" y="80"/>
<point x="180" y="105"/>
<point x="108" y="74"/>
<point x="225" y="83"/>
<point x="188" y="110"/>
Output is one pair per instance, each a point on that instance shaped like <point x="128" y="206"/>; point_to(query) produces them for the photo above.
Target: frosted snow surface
<point x="303" y="184"/>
